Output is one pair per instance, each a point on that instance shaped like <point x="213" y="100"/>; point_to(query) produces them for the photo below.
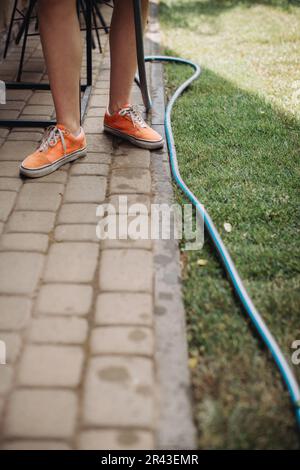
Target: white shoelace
<point x="135" y="115"/>
<point x="53" y="135"/>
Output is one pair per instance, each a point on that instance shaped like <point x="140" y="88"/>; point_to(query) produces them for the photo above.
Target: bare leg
<point x="62" y="47"/>
<point x="123" y="52"/>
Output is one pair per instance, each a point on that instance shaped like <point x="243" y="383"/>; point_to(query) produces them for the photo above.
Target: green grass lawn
<point x="238" y="143"/>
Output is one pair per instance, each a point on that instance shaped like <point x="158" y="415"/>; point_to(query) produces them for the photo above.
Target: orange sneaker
<point x="58" y="147"/>
<point x="128" y="124"/>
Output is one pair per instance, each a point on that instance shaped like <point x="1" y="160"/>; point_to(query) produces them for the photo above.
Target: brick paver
<point x="126" y="387"/>
<point x="64" y="299"/>
<point x="128" y="439"/>
<point x="77" y="313"/>
<point x="59" y="330"/>
<point x="128" y="309"/>
<point x="41" y="413"/>
<point x="52" y="366"/>
<point x="15" y="312"/>
<point x="71" y="262"/>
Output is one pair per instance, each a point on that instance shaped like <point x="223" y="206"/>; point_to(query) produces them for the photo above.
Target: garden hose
<point x="238" y="286"/>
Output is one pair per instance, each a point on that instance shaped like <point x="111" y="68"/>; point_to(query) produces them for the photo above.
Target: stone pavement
<point x="87" y="342"/>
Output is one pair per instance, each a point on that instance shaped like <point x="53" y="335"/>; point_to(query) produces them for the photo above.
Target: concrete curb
<point x="175" y="427"/>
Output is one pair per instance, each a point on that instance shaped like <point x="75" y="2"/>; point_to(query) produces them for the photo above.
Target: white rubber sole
<point x="47" y="169"/>
<point x="145" y="144"/>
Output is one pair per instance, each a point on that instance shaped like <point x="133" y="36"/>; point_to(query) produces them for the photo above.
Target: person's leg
<point x="61" y="40"/>
<point x="123" y="52"/>
<point x="122" y="118"/>
<point x="62" y="47"/>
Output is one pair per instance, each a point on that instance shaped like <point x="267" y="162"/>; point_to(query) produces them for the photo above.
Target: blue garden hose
<point x="239" y="288"/>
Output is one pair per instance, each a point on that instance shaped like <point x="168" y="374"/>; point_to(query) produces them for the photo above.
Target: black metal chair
<point x="84" y="88"/>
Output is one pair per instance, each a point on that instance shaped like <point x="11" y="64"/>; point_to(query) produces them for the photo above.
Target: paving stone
<point x="90" y="169"/>
<point x="41" y="413"/>
<point x="10" y="169"/>
<point x="8" y="66"/>
<point x="78" y="214"/>
<point x="2" y="403"/>
<point x="124" y="308"/>
<point x="16" y="150"/>
<point x="135" y="160"/>
<point x="35" y="65"/>
<point x="58" y="330"/>
<point x="7" y="201"/>
<point x="126" y="148"/>
<point x="99" y="101"/>
<point x="15" y="105"/>
<point x="73" y="232"/>
<point x="37" y="118"/>
<point x="31" y="221"/>
<point x="40" y="196"/>
<point x="85" y="189"/>
<point x="126" y="244"/>
<point x="35" y="445"/>
<point x="1" y="227"/>
<point x="59" y="176"/>
<point x="137" y="99"/>
<point x="18" y="94"/>
<point x="24" y="242"/>
<point x="14" y="58"/>
<point x="24" y="136"/>
<point x="13" y="345"/>
<point x="100" y="91"/>
<point x="4" y="132"/>
<point x="38" y="110"/>
<point x="94" y="157"/>
<point x="64" y="299"/>
<point x="96" y="112"/>
<point x="99" y="143"/>
<point x="133" y="180"/>
<point x="20" y="272"/>
<point x="125" y="270"/>
<point x="104" y="84"/>
<point x="10" y="113"/>
<point x="125" y="385"/>
<point x="38" y="53"/>
<point x="71" y="262"/>
<point x="10" y="184"/>
<point x="41" y="98"/>
<point x="123" y="203"/>
<point x="104" y="74"/>
<point x="6" y="377"/>
<point x="15" y="312"/>
<point x="116" y="439"/>
<point x="122" y="340"/>
<point x="93" y="125"/>
<point x="31" y="76"/>
<point x="53" y="366"/>
<point x="116" y="231"/>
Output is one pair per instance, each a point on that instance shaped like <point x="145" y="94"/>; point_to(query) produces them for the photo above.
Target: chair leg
<point x="96" y="28"/>
<point x="89" y="36"/>
<point x="26" y="27"/>
<point x="86" y="8"/>
<point x="78" y="9"/>
<point x="22" y="27"/>
<point x="84" y="11"/>
<point x="10" y="29"/>
<point x="100" y="16"/>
